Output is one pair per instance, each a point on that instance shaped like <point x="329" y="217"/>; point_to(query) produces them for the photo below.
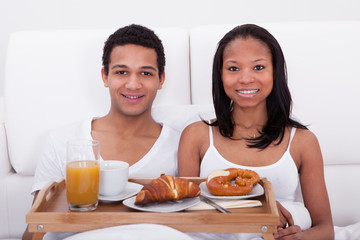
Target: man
<point x="133" y="70"/>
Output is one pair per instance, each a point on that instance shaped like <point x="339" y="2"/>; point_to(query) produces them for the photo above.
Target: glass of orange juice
<point x="82" y="174"/>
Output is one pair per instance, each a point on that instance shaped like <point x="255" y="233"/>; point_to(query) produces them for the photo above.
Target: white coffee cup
<point x="113" y="177"/>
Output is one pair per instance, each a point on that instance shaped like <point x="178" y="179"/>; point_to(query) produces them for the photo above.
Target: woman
<point x="253" y="130"/>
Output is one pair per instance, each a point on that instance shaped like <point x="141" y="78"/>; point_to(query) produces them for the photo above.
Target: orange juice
<point x="82" y="182"/>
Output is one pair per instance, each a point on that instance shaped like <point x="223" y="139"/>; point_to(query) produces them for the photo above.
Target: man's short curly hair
<point x="138" y="35"/>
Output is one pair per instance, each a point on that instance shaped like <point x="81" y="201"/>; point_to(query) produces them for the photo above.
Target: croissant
<point x="167" y="188"/>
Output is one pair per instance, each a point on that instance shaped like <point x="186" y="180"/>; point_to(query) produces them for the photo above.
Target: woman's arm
<point x="313" y="188"/>
<point x="307" y="155"/>
<point x="191" y="149"/>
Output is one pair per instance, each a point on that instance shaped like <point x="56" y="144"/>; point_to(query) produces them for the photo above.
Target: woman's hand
<point x="289" y="233"/>
<point x="286" y="228"/>
<point x="285" y="216"/>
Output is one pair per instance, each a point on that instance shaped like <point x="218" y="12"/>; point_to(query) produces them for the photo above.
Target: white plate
<point x="258" y="190"/>
<point x="130" y="190"/>
<point x="169" y="206"/>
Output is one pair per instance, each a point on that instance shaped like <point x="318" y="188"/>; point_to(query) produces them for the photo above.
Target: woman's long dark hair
<point x="278" y="103"/>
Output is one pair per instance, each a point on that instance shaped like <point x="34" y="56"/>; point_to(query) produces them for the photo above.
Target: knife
<point x="214" y="204"/>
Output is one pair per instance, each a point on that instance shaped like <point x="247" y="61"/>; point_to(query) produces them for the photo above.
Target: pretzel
<point x="231" y="181"/>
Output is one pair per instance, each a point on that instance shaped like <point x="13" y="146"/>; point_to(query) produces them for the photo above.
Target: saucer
<point x="130" y="190"/>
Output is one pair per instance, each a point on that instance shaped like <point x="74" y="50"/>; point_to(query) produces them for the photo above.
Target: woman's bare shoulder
<point x="195" y="132"/>
<point x="197" y="127"/>
<point x="306" y="147"/>
<point x="305" y="137"/>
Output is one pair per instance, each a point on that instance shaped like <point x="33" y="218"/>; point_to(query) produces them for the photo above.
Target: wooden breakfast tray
<point x="50" y="213"/>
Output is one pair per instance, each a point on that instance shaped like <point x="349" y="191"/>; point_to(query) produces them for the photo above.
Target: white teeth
<point x="132" y="97"/>
<point x="248" y="91"/>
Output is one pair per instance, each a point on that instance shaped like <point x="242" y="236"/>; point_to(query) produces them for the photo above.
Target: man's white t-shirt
<point x="162" y="157"/>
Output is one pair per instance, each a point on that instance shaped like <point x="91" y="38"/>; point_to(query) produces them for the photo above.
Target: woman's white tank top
<point x="282" y="174"/>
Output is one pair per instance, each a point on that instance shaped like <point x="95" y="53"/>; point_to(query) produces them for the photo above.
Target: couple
<point x="252" y="105"/>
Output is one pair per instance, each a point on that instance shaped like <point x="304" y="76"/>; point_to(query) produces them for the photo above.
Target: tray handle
<point x="45" y="194"/>
<point x="270" y="196"/>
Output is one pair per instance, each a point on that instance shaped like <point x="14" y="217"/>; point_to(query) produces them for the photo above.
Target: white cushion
<point x="179" y="116"/>
<point x="5" y="166"/>
<point x="53" y="78"/>
<point x="203" y="42"/>
<point x="1" y="109"/>
<point x="350" y="232"/>
<point x="17" y="203"/>
<point x="343" y="189"/>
